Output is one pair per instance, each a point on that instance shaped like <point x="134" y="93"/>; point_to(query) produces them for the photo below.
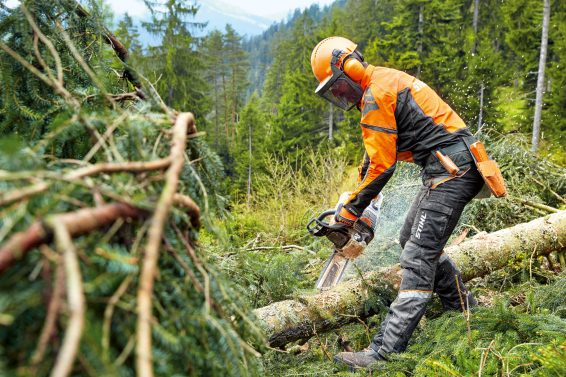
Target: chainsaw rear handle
<point x="317" y="226"/>
<point x="338" y="234"/>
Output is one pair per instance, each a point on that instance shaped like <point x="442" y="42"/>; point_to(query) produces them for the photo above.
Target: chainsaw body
<point x="349" y="242"/>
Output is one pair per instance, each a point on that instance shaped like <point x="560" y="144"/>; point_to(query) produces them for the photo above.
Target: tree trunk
<point x="225" y="110"/>
<point x="420" y="44"/>
<point x="216" y="100"/>
<point x="330" y="122"/>
<point x="475" y="24"/>
<point x="290" y="320"/>
<point x="249" y="198"/>
<point x="234" y="104"/>
<point x="540" y="77"/>
<point x="480" y="116"/>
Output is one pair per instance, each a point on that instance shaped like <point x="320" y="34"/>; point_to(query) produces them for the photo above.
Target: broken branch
<point x="144" y="364"/>
<point x="105" y="167"/>
<point x="75" y="298"/>
<point x="77" y="223"/>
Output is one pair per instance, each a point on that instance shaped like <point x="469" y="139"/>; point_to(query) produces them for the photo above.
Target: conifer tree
<point x="214" y="51"/>
<point x="129" y="35"/>
<point x="251" y="149"/>
<point x="554" y="115"/>
<point x="175" y="64"/>
<point x="236" y="67"/>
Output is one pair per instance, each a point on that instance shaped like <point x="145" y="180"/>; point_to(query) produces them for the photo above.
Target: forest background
<point x="271" y="156"/>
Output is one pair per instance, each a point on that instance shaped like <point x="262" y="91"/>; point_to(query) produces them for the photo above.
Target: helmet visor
<point x="340" y="90"/>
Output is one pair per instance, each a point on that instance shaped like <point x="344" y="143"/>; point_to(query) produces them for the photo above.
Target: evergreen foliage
<point x="200" y="322"/>
<point x="504" y="339"/>
<point x="267" y="166"/>
<point x="176" y="61"/>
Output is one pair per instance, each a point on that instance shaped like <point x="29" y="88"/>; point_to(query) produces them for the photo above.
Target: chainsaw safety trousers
<point x="426" y="269"/>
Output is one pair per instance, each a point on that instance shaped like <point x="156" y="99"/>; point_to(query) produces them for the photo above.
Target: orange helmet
<point x="322" y="55"/>
<point x="337" y="66"/>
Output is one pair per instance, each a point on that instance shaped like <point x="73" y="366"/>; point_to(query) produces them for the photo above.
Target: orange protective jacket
<point x="402" y="119"/>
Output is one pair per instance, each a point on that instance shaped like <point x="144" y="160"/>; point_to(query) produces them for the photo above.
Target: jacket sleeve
<point x="363" y="168"/>
<point x="379" y="131"/>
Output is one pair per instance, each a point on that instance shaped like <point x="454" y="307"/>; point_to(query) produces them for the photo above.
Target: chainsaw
<point x="349" y="242"/>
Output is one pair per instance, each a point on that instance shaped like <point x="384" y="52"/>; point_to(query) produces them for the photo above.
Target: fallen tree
<point x="291" y="320"/>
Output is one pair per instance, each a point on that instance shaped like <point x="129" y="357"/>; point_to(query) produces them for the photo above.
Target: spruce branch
<point x="77" y="223"/>
<point x="52" y="313"/>
<point x="78" y="57"/>
<point x="75" y="297"/>
<point x="39" y="57"/>
<point x="120" y="97"/>
<point x="190" y="274"/>
<point x="192" y="208"/>
<point x="198" y="263"/>
<point x="58" y="88"/>
<point x="20" y="194"/>
<point x="120" y="167"/>
<point x="109" y="311"/>
<point x="107" y="135"/>
<point x="120" y="50"/>
<point x="543" y="207"/>
<point x="48" y="43"/>
<point x="144" y="364"/>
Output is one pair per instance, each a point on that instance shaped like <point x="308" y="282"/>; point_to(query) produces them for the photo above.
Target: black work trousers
<point x="426" y="269"/>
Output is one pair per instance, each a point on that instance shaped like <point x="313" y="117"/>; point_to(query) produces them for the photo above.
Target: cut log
<point x="291" y="320"/>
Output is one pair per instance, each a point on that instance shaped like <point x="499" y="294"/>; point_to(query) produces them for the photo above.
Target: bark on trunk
<point x="540" y="77"/>
<point x="421" y="36"/>
<point x="291" y="320"/>
<point x="250" y="158"/>
<point x="475" y="24"/>
<point x="480" y="116"/>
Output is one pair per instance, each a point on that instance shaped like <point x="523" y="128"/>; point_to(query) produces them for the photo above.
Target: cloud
<point x="134" y="8"/>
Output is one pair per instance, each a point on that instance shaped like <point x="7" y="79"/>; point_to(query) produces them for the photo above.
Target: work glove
<point x="363" y="229"/>
<point x="341" y="214"/>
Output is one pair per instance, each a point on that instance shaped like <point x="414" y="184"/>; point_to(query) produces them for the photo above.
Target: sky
<point x="272" y="9"/>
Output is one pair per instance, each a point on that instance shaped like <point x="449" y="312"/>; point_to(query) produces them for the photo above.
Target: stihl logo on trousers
<point x="421" y="225"/>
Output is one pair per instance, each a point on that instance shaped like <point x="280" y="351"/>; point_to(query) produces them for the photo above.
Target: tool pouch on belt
<point x="488" y="169"/>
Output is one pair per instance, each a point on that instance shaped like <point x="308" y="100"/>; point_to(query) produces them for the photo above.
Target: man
<point x="403" y="119"/>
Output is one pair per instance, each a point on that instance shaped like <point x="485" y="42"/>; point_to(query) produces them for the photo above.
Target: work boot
<point x="356" y="360"/>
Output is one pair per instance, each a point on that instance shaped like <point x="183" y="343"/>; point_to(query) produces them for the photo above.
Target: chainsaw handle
<point x="325" y="214"/>
<point x="317" y="226"/>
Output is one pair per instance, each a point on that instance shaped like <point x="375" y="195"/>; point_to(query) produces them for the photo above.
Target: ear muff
<point x="354" y="69"/>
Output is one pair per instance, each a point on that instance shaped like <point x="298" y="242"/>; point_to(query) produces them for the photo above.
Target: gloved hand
<point x="363" y="229"/>
<point x="341" y="214"/>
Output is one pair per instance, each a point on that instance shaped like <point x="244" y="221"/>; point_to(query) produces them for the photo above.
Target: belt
<point x="454" y="148"/>
<point x="461" y="146"/>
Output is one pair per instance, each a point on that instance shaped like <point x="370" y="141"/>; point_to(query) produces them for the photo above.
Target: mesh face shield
<point x="339" y="89"/>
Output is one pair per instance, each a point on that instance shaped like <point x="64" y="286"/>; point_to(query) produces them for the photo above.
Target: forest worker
<point x="403" y="119"/>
